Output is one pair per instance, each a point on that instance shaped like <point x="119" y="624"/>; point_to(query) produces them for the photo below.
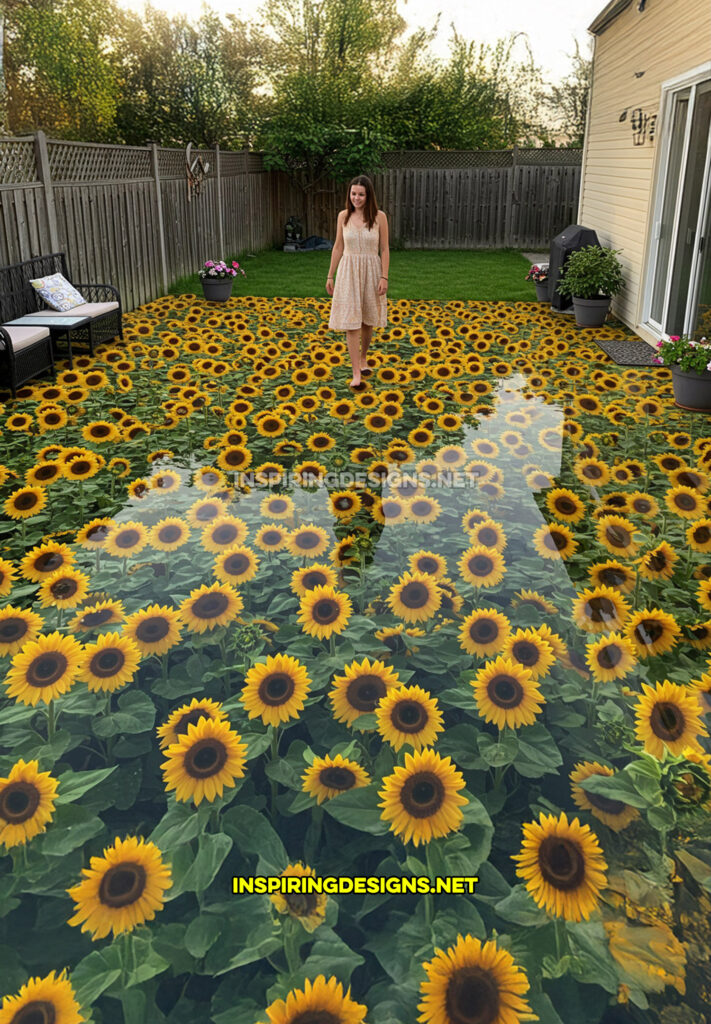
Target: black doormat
<point x="628" y="353"/>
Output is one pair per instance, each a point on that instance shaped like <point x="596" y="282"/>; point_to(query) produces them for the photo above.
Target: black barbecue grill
<point x="570" y="240"/>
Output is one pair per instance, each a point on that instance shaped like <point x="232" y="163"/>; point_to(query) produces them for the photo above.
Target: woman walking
<point x="362" y="256"/>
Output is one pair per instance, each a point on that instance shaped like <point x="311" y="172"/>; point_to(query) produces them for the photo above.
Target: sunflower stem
<point x="274" y="785"/>
<point x="429" y="898"/>
<point x="561" y="941"/>
<point x="593" y="703"/>
<point x="96" y="562"/>
<point x="50" y="721"/>
<point x="290" y="938"/>
<point x="332" y="645"/>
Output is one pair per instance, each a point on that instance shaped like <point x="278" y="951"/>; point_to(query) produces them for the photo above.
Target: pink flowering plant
<point x="684" y="352"/>
<point x="538" y="274"/>
<point x="218" y="268"/>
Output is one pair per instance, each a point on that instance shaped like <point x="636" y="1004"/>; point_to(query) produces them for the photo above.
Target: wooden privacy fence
<point x="450" y="199"/>
<point x="123" y="216"/>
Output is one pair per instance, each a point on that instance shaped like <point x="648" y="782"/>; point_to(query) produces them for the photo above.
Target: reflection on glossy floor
<point x="452" y="625"/>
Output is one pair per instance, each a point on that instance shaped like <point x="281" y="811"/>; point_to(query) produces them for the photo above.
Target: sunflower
<point x="667" y="718"/>
<point x="613" y="813"/>
<point x="65" y="588"/>
<point x="109" y="663"/>
<point x="210" y="606"/>
<point x="49" y="1000"/>
<point x="25" y="502"/>
<point x="307" y="541"/>
<point x="82" y="466"/>
<point x="188" y="714"/>
<point x="428" y="563"/>
<point x="309" y="909"/>
<point x="532" y="599"/>
<point x="234" y="458"/>
<point x="658" y="563"/>
<point x="271" y="537"/>
<point x="529" y="648"/>
<point x="482" y="567"/>
<point x="324" y="611"/>
<point x="474" y="983"/>
<point x="276" y="689"/>
<point x="489" y="534"/>
<point x="18" y="626"/>
<point x="591" y="471"/>
<point x="169" y="534"/>
<point x="122" y="889"/>
<point x="204" y="511"/>
<point x="507" y="694"/>
<point x="359" y="690"/>
<point x="415" y="597"/>
<point x="408" y="714"/>
<point x="600" y="609"/>
<point x="612" y="574"/>
<point x="421" y="799"/>
<point x="554" y="540"/>
<point x="698" y="535"/>
<point x="44" y="668"/>
<point x="320" y="1002"/>
<point x="43" y="474"/>
<point x="223" y="532"/>
<point x="154" y="629"/>
<point x="617" y="534"/>
<point x="685" y="502"/>
<point x="565" y="505"/>
<point x="321" y="442"/>
<point x="125" y="539"/>
<point x="652" y="631"/>
<point x="610" y="657"/>
<point x="27" y="798"/>
<point x="103" y="613"/>
<point x="236" y="565"/>
<point x="484" y="632"/>
<point x="328" y="777"/>
<point x="310" y="576"/>
<point x="45" y="559"/>
<point x="562" y="866"/>
<point x="203" y="761"/>
<point x="472" y="518"/>
<point x="309" y="473"/>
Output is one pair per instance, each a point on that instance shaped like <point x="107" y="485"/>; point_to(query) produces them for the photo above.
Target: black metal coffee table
<point x="58" y="325"/>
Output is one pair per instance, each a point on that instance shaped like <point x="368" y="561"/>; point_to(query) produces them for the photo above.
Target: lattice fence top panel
<point x="440" y="159"/>
<point x="172" y="162"/>
<point x="17" y="161"/>
<point x="233" y="163"/>
<point x="89" y="161"/>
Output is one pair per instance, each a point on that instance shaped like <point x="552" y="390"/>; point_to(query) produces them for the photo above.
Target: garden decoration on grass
<point x="217" y="278"/>
<point x="458" y="625"/>
<point x="690" y="362"/>
<point x="592" y="276"/>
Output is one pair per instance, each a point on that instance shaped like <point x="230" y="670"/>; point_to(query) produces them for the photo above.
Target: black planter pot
<point x="217" y="289"/>
<point x="541" y="291"/>
<point x="692" y="390"/>
<point x="591" y="312"/>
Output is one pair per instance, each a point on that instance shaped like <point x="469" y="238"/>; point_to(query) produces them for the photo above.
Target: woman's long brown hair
<point x="370" y="210"/>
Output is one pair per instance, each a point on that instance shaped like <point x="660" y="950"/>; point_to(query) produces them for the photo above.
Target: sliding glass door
<point x="680" y="281"/>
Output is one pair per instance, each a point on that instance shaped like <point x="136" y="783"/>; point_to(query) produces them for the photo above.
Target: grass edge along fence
<point x="128" y="215"/>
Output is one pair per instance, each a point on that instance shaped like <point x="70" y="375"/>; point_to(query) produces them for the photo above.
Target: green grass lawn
<point x="491" y="275"/>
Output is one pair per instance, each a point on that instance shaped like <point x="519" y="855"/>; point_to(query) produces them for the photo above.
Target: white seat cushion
<point x="23" y="337"/>
<point x="87" y="309"/>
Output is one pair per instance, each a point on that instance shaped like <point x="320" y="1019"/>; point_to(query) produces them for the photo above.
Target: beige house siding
<point x="667" y="39"/>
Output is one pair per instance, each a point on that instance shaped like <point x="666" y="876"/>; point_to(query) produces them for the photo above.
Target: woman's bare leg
<point x="353" y="342"/>
<point x="366" y="335"/>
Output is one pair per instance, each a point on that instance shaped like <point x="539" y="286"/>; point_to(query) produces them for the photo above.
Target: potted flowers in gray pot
<point x="217" y="278"/>
<point x="539" y="275"/>
<point x="690" y="363"/>
<point x="592" y="275"/>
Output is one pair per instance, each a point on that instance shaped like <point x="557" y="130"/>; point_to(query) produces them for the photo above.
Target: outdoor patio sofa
<point x="26" y="352"/>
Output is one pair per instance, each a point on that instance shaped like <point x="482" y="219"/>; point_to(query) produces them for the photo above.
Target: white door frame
<point x="689" y="79"/>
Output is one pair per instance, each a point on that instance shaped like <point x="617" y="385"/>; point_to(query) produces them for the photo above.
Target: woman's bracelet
<point x="383" y="278"/>
<point x="329" y="278"/>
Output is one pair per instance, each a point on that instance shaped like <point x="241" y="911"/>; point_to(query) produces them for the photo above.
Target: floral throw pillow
<point x="57" y="292"/>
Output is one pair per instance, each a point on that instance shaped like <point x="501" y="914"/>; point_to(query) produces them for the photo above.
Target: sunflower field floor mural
<point x="373" y="707"/>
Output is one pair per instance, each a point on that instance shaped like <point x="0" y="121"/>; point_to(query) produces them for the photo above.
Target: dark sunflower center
<point x="18" y="802"/>
<point x="600" y="609"/>
<point x="592" y="472"/>
<point x="97" y="618"/>
<point x="206" y="513"/>
<point x="23" y="502"/>
<point x="271" y="537"/>
<point x="307" y="539"/>
<point x="344" y="503"/>
<point x="210" y="606"/>
<point x="617" y="536"/>
<point x="127" y="539"/>
<point x="301" y="904"/>
<point x="276" y="689"/>
<point x="236" y="564"/>
<point x="62" y="590"/>
<point x="480" y="565"/>
<point x="604" y="804"/>
<point x="205" y="758"/>
<point x="422" y="795"/>
<point x="526" y="653"/>
<point x="79" y="466"/>
<point x="47" y="669"/>
<point x="151" y="630"/>
<point x="400" y="455"/>
<point x="337" y="777"/>
<point x="505" y="691"/>
<point x="657" y="561"/>
<point x="415" y="595"/>
<point x="488" y="536"/>
<point x="609" y="656"/>
<point x="611" y="577"/>
<point x="39" y="1011"/>
<point x="702" y="535"/>
<point x="122" y="885"/>
<point x="686" y="502"/>
<point x="170" y="533"/>
<point x="48" y="562"/>
<point x="234" y="458"/>
<point x="313" y="579"/>
<point x="667" y="721"/>
<point x="210" y="478"/>
<point x="648" y="631"/>
<point x="409" y="716"/>
<point x="555" y="540"/>
<point x="450" y="456"/>
<point x="12" y="629"/>
<point x="97" y="533"/>
<point x="561" y="863"/>
<point x="365" y="692"/>
<point x="472" y="997"/>
<point x="483" y="631"/>
<point x="325" y="611"/>
<point x="107" y="662"/>
<point x="321" y="442"/>
<point x="687" y="479"/>
<point x="190" y="718"/>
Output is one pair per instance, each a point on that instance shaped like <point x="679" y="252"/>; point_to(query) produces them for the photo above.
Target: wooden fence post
<point x="44" y="175"/>
<point x="220" y="223"/>
<point x="159" y="207"/>
<point x="249" y="199"/>
<point x="510" y="199"/>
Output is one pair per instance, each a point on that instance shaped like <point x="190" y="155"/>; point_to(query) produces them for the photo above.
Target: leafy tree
<point x="567" y="103"/>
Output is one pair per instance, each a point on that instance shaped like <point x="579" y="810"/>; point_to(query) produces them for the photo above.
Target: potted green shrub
<point x="592" y="276"/>
<point x="216" y="278"/>
<point x="690" y="363"/>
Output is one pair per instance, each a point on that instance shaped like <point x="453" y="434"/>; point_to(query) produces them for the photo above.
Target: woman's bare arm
<point x="384" y="245"/>
<point x="337" y="250"/>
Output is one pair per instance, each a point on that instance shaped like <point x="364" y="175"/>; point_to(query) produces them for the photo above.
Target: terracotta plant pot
<point x="591" y="312"/>
<point x="692" y="390"/>
<point x="217" y="289"/>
